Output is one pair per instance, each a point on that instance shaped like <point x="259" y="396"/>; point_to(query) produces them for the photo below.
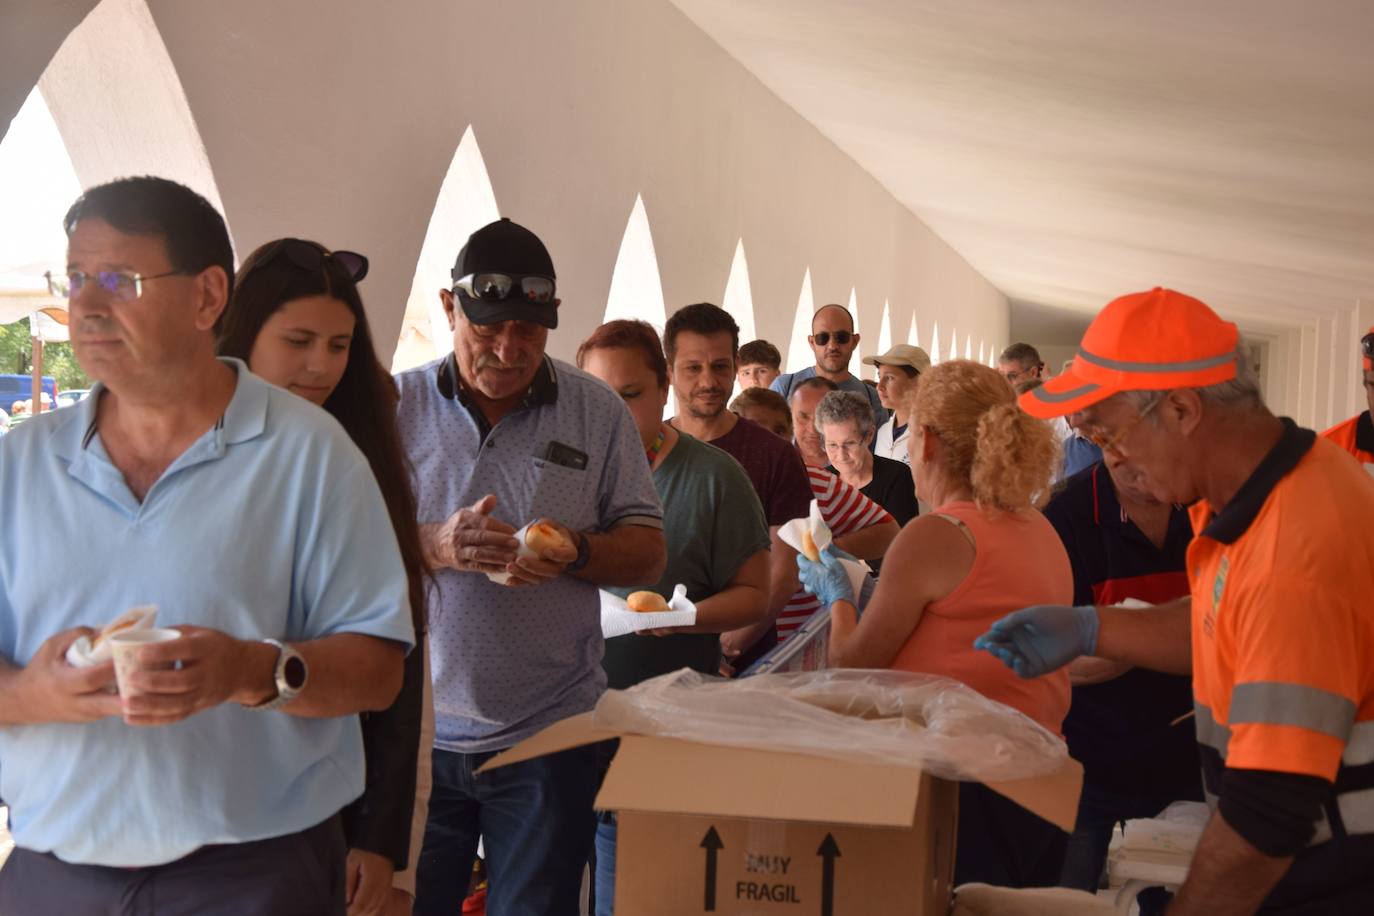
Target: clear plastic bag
<point x="883" y="717"/>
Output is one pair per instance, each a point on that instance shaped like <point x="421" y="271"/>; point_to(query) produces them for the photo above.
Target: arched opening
<point x="935" y="344"/>
<point x="799" y="354"/>
<point x="738" y="299"/>
<point x="854" y="364"/>
<point x="466" y="203"/>
<point x="636" y="288"/>
<point x="885" y="329"/>
<point x="913" y="336"/>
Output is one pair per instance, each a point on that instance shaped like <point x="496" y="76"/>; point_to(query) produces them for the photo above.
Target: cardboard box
<point x="744" y="832"/>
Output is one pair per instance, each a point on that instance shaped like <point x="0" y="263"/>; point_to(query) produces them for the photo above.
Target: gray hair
<point x="1240" y="393"/>
<point x="843" y="406"/>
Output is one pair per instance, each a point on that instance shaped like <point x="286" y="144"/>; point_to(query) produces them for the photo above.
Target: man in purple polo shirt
<point x="500" y="435"/>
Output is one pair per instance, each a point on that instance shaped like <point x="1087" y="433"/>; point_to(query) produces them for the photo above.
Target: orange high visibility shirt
<point x="1356" y="436"/>
<point x="1282" y="583"/>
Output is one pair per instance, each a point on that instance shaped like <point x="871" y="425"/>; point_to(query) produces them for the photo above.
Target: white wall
<point x="338" y="121"/>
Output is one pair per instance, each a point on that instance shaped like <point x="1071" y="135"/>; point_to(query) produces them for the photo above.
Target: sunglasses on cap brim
<point x="310" y="257"/>
<point x="822" y="338"/>
<point x="496" y="287"/>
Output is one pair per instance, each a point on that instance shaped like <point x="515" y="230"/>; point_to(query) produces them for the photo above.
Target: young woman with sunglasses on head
<point x="295" y="317"/>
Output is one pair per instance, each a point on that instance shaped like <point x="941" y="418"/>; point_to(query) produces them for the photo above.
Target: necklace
<point x="653" y="450"/>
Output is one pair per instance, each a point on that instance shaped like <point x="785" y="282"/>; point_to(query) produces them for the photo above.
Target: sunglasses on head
<point x="493" y="287"/>
<point x="310" y="257"/>
<point x="822" y="338"/>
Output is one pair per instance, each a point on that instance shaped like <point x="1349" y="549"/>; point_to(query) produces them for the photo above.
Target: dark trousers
<point x="1099" y="811"/>
<point x="301" y="874"/>
<point x="536" y="823"/>
<point x="1001" y="843"/>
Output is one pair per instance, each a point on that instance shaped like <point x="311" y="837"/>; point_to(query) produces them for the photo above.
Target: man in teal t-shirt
<point x="713" y="522"/>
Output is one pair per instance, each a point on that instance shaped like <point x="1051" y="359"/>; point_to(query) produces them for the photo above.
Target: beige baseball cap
<point x="902" y="355"/>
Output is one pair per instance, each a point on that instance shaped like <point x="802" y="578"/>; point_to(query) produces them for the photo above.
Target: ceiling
<point x="1075" y="150"/>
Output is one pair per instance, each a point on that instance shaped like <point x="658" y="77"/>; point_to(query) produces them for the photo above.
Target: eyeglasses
<point x="500" y="287"/>
<point x="123" y="286"/>
<point x="1113" y="443"/>
<point x="822" y="338"/>
<point x="311" y="257"/>
<point x="843" y="448"/>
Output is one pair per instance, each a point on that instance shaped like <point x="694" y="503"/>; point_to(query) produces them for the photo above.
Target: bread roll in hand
<point x="646" y="602"/>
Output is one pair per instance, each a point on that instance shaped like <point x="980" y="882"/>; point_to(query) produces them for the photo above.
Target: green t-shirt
<point x="713" y="522"/>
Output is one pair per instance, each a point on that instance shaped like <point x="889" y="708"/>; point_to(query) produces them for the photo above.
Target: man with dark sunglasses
<point x="833" y="341"/>
<point x="1356" y="435"/>
<point x="501" y="435"/>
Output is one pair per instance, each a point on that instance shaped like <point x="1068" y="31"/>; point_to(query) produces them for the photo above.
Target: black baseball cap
<point x="505" y="247"/>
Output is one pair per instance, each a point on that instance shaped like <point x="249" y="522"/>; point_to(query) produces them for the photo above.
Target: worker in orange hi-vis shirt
<point x="1356" y="435"/>
<point x="1278" y="631"/>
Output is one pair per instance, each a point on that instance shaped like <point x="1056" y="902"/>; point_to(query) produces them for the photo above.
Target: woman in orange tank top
<point x="983" y="552"/>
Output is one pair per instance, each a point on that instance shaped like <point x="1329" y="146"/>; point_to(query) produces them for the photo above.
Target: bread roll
<point x="129" y="618"/>
<point x="646" y="602"/>
<point x="542" y="536"/>
<point x="809" y="547"/>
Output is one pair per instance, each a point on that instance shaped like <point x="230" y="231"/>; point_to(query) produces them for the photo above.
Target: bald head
<point x="832" y="317"/>
<point x="833" y="340"/>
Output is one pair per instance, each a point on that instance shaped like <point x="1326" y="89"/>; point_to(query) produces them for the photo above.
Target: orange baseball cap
<point x="1153" y="341"/>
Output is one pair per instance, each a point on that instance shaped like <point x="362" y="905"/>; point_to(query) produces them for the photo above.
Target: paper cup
<point x="124" y="647"/>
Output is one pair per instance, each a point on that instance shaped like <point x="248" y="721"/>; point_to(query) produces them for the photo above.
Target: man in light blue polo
<point x="501" y="435"/>
<point x="834" y="341"/>
<point x="252" y="522"/>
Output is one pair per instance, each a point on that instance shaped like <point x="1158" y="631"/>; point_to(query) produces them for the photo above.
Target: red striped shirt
<point x="845" y="510"/>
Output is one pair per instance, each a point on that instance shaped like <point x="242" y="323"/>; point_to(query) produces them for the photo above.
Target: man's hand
<point x="471" y="540"/>
<point x="177" y="679"/>
<point x="367" y="877"/>
<point x="50" y="690"/>
<point x="1037" y="640"/>
<point x="550" y="564"/>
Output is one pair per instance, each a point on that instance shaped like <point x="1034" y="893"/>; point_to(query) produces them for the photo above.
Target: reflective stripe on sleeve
<point x="1357" y="810"/>
<point x="1359" y="747"/>
<point x="1277" y="703"/>
<point x="1210" y="732"/>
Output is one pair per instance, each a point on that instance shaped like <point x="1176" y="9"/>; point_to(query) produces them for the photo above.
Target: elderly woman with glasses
<point x="845" y="422"/>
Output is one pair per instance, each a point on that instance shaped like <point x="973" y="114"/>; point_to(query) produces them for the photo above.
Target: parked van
<point x="20" y="388"/>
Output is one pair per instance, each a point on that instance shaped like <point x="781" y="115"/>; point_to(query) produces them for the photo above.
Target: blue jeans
<point x="536" y="823"/>
<point x="1099" y="811"/>
<point x="605" y="864"/>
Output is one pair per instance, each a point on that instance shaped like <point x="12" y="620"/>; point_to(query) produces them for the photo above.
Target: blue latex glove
<point x="1037" y="640"/>
<point x="827" y="580"/>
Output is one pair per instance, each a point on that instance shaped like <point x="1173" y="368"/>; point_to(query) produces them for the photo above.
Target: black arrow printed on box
<point x="829" y="852"/>
<point x="712" y="844"/>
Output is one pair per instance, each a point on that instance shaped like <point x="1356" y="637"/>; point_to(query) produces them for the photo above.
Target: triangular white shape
<point x="968" y="347"/>
<point x="913" y="336"/>
<point x="885" y="330"/>
<point x="982" y="355"/>
<point x="636" y="288"/>
<point x="858" y="351"/>
<point x="37" y="184"/>
<point x="935" y="344"/>
<point x="953" y="344"/>
<point x="799" y="354"/>
<point x="739" y="298"/>
<point x="466" y="203"/>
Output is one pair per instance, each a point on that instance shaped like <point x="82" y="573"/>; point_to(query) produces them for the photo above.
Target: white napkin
<point x="81" y="655"/>
<point x="791" y="534"/>
<point x="524" y="550"/>
<point x="618" y="620"/>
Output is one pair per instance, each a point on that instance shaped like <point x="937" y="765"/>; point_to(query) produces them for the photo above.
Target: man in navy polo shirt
<point x="500" y="435"/>
<point x="1125" y="723"/>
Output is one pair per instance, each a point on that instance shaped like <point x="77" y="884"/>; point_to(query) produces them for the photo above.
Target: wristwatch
<point x="584" y="552"/>
<point x="290" y="675"/>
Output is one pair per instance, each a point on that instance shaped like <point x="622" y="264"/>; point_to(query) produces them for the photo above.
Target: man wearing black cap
<point x="501" y="435"/>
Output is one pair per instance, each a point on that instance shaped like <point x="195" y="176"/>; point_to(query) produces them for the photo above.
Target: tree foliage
<point x="16" y="355"/>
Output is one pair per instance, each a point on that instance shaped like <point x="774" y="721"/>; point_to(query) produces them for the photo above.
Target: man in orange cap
<point x="1356" y="435"/>
<point x="1278" y="630"/>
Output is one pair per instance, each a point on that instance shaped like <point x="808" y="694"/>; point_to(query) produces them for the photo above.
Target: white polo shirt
<point x="270" y="525"/>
